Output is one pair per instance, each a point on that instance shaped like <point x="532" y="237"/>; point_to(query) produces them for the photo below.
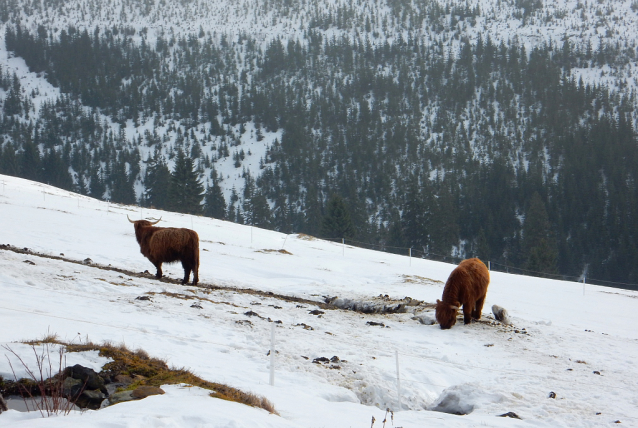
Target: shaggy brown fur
<point x="467" y="286"/>
<point x="168" y="245"/>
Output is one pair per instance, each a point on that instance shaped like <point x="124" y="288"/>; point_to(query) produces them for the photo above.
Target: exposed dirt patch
<point x="416" y="279"/>
<point x="146" y="274"/>
<point x="282" y="251"/>
<point x="305" y="237"/>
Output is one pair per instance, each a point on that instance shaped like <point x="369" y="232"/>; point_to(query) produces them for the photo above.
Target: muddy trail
<point x="380" y="304"/>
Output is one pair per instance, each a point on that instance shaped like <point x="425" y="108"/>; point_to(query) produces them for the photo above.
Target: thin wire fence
<point x="494" y="266"/>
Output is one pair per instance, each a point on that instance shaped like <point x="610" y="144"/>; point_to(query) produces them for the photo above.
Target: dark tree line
<point x="490" y="151"/>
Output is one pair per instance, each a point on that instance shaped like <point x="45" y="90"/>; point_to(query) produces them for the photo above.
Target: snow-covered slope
<point x="579" y="342"/>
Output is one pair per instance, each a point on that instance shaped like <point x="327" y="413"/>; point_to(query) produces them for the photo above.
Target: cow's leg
<point x="187" y="272"/>
<point x="158" y="275"/>
<point x="476" y="313"/>
<point x="467" y="313"/>
<point x="196" y="269"/>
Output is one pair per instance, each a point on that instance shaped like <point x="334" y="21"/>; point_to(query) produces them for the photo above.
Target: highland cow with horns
<point x="168" y="245"/>
<point x="467" y="286"/>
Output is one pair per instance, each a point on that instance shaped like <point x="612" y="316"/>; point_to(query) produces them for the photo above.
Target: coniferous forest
<point x="473" y="148"/>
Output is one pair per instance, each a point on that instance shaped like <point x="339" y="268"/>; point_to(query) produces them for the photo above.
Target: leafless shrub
<point x="43" y="390"/>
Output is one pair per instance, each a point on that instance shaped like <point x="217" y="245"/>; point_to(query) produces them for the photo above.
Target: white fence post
<point x="343" y="246"/>
<point x="410" y="256"/>
<point x="584" y="280"/>
<point x="272" y="355"/>
<point x="398" y="382"/>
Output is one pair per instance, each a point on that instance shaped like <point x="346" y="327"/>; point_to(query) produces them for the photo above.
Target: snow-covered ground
<point x="579" y="342"/>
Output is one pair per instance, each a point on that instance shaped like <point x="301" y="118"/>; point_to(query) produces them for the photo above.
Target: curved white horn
<point x="156" y="221"/>
<point x="129" y="219"/>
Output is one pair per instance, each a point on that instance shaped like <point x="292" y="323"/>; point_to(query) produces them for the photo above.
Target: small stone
<point x="552" y="394"/>
<point x="510" y="415"/>
<point x="120" y="397"/>
<point x="374" y="323"/>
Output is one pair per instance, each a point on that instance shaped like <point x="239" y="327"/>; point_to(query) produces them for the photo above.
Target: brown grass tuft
<point x="282" y="251"/>
<point x="155" y="372"/>
<point x="306" y="237"/>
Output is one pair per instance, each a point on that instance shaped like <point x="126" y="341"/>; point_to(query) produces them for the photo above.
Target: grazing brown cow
<point x="467" y="286"/>
<point x="168" y="245"/>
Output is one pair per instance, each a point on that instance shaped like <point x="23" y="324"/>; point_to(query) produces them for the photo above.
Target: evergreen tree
<point x="30" y="162"/>
<point x="396" y="240"/>
<point x="97" y="186"/>
<point x="281" y="215"/>
<point x="481" y="247"/>
<point x="9" y="161"/>
<point x="257" y="211"/>
<point x="185" y="190"/>
<point x="157" y="183"/>
<point x="337" y="222"/>
<point x="13" y="100"/>
<point x="538" y="245"/>
<point x="444" y="225"/>
<point x="415" y="218"/>
<point x="214" y="201"/>
<point x="121" y="183"/>
<point x="312" y="215"/>
<point x="55" y="172"/>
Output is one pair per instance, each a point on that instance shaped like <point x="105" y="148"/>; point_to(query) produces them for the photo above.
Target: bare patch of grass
<point x="416" y="279"/>
<point x="189" y="297"/>
<point x="282" y="251"/>
<point x="47" y="338"/>
<point x="306" y="237"/>
<point x="119" y="284"/>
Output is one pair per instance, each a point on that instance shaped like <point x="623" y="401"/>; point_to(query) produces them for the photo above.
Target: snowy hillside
<point x="578" y="341"/>
<point x="422" y="116"/>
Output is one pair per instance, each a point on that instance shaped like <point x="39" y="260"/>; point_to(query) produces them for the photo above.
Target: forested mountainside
<point x="499" y="129"/>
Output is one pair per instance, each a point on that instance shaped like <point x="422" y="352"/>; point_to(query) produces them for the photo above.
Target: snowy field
<point x="580" y="342"/>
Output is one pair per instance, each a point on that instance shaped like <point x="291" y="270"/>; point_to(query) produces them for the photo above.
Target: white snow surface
<point x="579" y="342"/>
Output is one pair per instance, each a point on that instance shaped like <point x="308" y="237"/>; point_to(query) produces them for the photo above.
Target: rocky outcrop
<point x="84" y="387"/>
